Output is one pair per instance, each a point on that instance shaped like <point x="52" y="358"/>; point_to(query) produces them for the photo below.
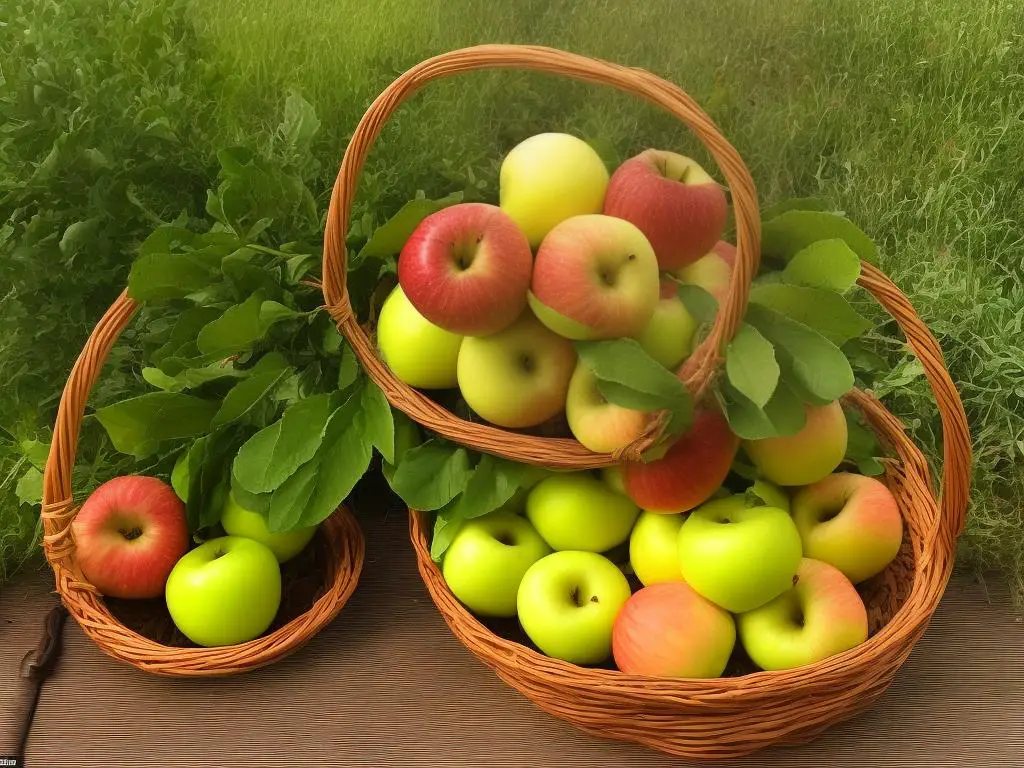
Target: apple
<point x="668" y="630"/>
<point x="691" y="470"/>
<point x="737" y="556"/>
<point x="466" y="268"/>
<point x="819" y="616"/>
<point x="594" y="277"/>
<point x="575" y="510"/>
<point x="807" y="456"/>
<point x="654" y="548"/>
<point x="851" y="522"/>
<point x="673" y="201"/>
<point x="770" y="494"/>
<point x="668" y="335"/>
<point x="712" y="271"/>
<point x="567" y="604"/>
<point x="487" y="559"/>
<point x="418" y="352"/>
<point x="549" y="178"/>
<point x="236" y="520"/>
<point x="598" y="425"/>
<point x="518" y="377"/>
<point x="225" y="591"/>
<point x="129" y="534"/>
<point x="612" y="477"/>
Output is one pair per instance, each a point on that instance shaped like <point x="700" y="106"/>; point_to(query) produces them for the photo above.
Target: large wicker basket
<point x="339" y="542"/>
<point x="700" y="368"/>
<point x="734" y="716"/>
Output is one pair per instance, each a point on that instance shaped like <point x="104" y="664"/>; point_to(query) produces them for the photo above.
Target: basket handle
<point x="956" y="437"/>
<point x="701" y="366"/>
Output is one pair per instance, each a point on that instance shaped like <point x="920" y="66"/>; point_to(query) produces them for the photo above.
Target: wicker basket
<point x="734" y="716"/>
<point x="700" y="368"/>
<point x="339" y="541"/>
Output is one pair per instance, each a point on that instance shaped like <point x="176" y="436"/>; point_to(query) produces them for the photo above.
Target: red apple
<point x="668" y="630"/>
<point x="467" y="269"/>
<point x="712" y="271"/>
<point x="673" y="201"/>
<point x="128" y="536"/>
<point x="595" y="277"/>
<point x="691" y="470"/>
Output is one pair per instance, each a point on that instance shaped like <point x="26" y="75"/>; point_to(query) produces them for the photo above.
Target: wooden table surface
<point x="388" y="685"/>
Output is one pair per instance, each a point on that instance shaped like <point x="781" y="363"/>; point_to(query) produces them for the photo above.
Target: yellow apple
<point x="418" y="352"/>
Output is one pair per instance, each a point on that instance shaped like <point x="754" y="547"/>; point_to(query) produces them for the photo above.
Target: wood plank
<point x="387" y="684"/>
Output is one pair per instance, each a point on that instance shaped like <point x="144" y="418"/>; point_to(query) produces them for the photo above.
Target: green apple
<point x="577" y="511"/>
<point x="486" y="560"/>
<point x="517" y="377"/>
<point x="770" y="494"/>
<point x="418" y="352"/>
<point x="549" y="178"/>
<point x="809" y="455"/>
<point x="612" y="477"/>
<point x="819" y="616"/>
<point x="668" y="335"/>
<point x="567" y="605"/>
<point x="236" y="520"/>
<point x="225" y="591"/>
<point x="737" y="556"/>
<point x="654" y="548"/>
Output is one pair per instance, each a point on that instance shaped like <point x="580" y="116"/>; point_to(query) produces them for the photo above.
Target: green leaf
<point x="698" y="302"/>
<point x="750" y="365"/>
<point x="139" y="425"/>
<point x="244" y="396"/>
<point x="270" y="456"/>
<point x="374" y="420"/>
<point x="785" y="235"/>
<point x="349" y="368"/>
<point x="79" y="236"/>
<point x="254" y="502"/>
<point x="862" y="446"/>
<point x="389" y="238"/>
<point x="30" y="487"/>
<point x="300" y="124"/>
<point x="431" y="475"/>
<point x="629" y="377"/>
<point x="824" y="264"/>
<point x="815" y="362"/>
<point x="209" y="463"/>
<point x="182" y="341"/>
<point x="273" y="312"/>
<point x="36" y="451"/>
<point x="168" y="276"/>
<point x="242" y="325"/>
<point x="794" y="204"/>
<point x="493" y="482"/>
<point x="825" y="311"/>
<point x="447" y="524"/>
<point x="191" y="378"/>
<point x="782" y="415"/>
<point x="246" y="277"/>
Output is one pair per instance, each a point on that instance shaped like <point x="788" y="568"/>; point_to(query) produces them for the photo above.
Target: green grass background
<point x="906" y="114"/>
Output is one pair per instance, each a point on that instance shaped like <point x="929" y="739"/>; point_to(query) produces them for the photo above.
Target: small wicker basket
<point x="339" y="537"/>
<point x="729" y="716"/>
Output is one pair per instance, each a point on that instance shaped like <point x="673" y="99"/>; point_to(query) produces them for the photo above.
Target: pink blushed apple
<point x="595" y="277"/>
<point x="129" y="534"/>
<point x="668" y="630"/>
<point x="851" y="522"/>
<point x="598" y="425"/>
<point x="712" y="271"/>
<point x="466" y="269"/>
<point x="807" y="456"/>
<point x="674" y="202"/>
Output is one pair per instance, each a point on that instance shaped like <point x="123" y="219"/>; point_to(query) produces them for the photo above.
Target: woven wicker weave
<point x="734" y="716"/>
<point x="701" y="366"/>
<point x="343" y="538"/>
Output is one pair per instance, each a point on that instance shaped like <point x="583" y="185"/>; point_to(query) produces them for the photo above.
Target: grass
<point x="907" y="114"/>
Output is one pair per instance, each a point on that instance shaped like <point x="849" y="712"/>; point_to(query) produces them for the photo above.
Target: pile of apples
<point x="771" y="568"/>
<point x="490" y="298"/>
<point x="132" y="542"/>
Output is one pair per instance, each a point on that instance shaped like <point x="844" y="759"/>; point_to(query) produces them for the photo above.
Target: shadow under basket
<point x="316" y="584"/>
<point x="736" y="715"/>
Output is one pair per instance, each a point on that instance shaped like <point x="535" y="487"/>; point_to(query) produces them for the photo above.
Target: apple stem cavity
<point x="131" y="533"/>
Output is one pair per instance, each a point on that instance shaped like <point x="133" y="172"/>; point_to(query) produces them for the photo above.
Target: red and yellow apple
<point x="819" y="616"/>
<point x="518" y="377"/>
<point x="668" y="630"/>
<point x="549" y="178"/>
<point x="691" y="470"/>
<point x="418" y="352"/>
<point x="712" y="271"/>
<point x="594" y="277"/>
<point x="668" y="335"/>
<point x="849" y="521"/>
<point x="466" y="268"/>
<point x="129" y="534"/>
<point x="806" y="457"/>
<point x="598" y="425"/>
<point x="674" y="202"/>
